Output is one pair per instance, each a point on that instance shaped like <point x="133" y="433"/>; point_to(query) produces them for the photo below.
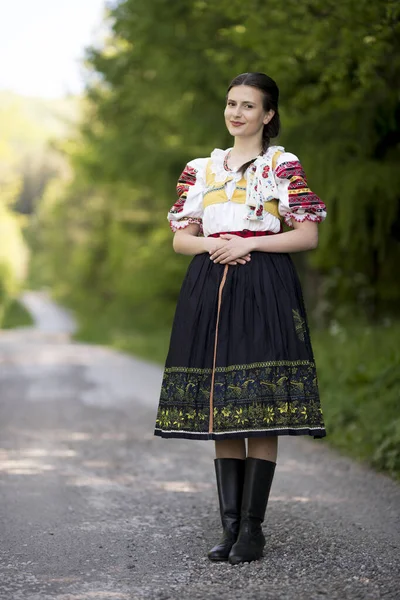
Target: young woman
<point x="240" y="363"/>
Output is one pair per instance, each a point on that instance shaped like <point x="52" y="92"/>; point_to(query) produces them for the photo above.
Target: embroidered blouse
<point x="273" y="188"/>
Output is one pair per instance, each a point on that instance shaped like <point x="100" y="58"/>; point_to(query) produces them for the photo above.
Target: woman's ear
<point x="268" y="116"/>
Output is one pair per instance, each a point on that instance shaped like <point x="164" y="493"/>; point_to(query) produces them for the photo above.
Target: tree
<point x="155" y="101"/>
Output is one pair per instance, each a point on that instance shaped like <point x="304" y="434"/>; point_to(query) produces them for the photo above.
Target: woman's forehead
<point x="245" y="93"/>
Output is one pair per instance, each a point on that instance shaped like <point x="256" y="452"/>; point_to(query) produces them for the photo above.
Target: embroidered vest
<point x="215" y="191"/>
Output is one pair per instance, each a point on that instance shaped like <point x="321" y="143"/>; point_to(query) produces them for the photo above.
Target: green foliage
<point x="109" y="329"/>
<point x="153" y="109"/>
<point x="15" y="315"/>
<point x="359" y="377"/>
<point x="13" y="256"/>
<point x="28" y="128"/>
<point x="155" y="100"/>
<point x="6" y="288"/>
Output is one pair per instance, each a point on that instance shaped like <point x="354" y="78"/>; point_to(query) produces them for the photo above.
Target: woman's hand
<point x="215" y="245"/>
<point x="232" y="249"/>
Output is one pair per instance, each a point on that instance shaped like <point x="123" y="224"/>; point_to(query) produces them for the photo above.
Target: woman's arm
<point x="303" y="237"/>
<point x="186" y="241"/>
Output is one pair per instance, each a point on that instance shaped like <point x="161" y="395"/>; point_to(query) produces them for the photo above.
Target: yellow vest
<point x="215" y="191"/>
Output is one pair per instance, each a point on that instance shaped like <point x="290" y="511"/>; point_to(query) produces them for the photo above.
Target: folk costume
<point x="240" y="361"/>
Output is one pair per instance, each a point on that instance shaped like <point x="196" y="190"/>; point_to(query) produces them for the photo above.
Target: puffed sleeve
<point x="296" y="200"/>
<point x="190" y="188"/>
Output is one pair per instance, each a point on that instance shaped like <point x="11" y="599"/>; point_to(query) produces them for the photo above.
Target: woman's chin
<point x="235" y="131"/>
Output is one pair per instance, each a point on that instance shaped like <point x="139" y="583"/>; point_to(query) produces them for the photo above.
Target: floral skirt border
<point x="255" y="400"/>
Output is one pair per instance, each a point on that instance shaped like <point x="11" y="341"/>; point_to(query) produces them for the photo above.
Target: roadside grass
<point x="15" y="315"/>
<point x="149" y="345"/>
<point x="359" y="379"/>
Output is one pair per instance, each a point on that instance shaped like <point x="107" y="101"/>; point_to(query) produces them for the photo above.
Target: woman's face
<point x="244" y="111"/>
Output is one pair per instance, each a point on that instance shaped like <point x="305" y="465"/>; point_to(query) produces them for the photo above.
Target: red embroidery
<point x="184" y="222"/>
<point x="298" y="183"/>
<point x="300" y="195"/>
<point x="265" y="172"/>
<point x="187" y="179"/>
<point x="289" y="169"/>
<point x="301" y="218"/>
<point x="259" y="211"/>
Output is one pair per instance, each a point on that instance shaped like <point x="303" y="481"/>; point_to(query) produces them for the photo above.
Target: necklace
<point x="227" y="155"/>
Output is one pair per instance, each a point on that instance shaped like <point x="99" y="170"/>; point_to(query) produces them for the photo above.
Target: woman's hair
<point x="270" y="93"/>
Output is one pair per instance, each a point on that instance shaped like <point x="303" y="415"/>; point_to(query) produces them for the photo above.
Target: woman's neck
<point x="244" y="149"/>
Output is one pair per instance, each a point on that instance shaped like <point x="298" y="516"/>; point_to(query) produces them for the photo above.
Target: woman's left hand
<point x="235" y="247"/>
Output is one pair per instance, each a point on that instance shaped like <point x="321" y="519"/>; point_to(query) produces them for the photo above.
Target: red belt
<point x="244" y="233"/>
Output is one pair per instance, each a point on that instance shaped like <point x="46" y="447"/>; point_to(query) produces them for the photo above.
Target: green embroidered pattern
<point x="214" y="189"/>
<point x="299" y="324"/>
<point x="260" y="396"/>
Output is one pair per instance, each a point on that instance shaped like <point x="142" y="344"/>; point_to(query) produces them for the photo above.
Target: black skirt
<point x="240" y="362"/>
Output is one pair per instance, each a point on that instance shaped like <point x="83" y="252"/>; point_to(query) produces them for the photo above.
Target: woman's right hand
<point x="213" y="244"/>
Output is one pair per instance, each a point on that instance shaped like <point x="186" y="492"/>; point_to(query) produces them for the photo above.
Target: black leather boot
<point x="230" y="478"/>
<point x="257" y="484"/>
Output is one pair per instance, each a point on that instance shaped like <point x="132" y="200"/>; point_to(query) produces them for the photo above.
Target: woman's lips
<point x="236" y="123"/>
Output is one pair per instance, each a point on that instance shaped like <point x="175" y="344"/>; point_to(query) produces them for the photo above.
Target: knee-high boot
<point x="257" y="484"/>
<point x="230" y="478"/>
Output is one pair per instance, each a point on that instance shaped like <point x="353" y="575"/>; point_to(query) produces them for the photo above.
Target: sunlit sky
<point x="42" y="43"/>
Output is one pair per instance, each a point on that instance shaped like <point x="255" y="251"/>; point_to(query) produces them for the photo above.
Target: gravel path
<point x="94" y="507"/>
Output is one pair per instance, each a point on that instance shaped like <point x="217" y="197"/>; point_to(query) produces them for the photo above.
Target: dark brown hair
<point x="270" y="92"/>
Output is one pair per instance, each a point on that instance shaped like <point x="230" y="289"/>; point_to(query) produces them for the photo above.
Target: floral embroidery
<point x="260" y="188"/>
<point x="299" y="324"/>
<point x="265" y="171"/>
<point x="264" y="180"/>
<point x="275" y="395"/>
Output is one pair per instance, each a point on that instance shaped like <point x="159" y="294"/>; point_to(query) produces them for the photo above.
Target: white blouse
<point x="287" y="183"/>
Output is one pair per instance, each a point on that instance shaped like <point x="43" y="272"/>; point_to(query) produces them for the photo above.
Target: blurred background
<point x="101" y="106"/>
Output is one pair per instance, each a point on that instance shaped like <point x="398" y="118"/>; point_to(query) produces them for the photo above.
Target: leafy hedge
<point x="359" y="376"/>
<point x="13" y="257"/>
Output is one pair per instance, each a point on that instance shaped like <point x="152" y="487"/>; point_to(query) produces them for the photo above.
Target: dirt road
<point x="93" y="506"/>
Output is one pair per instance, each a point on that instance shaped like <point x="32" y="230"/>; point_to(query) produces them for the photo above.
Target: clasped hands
<point x="231" y="250"/>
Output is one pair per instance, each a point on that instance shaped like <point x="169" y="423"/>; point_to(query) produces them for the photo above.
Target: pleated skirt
<point x="240" y="362"/>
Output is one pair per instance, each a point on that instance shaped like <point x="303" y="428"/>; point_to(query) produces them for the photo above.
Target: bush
<point x="13" y="257"/>
<point x="359" y="375"/>
<point x="6" y="288"/>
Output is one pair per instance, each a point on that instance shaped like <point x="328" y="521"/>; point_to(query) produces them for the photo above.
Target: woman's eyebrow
<point x="242" y="101"/>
